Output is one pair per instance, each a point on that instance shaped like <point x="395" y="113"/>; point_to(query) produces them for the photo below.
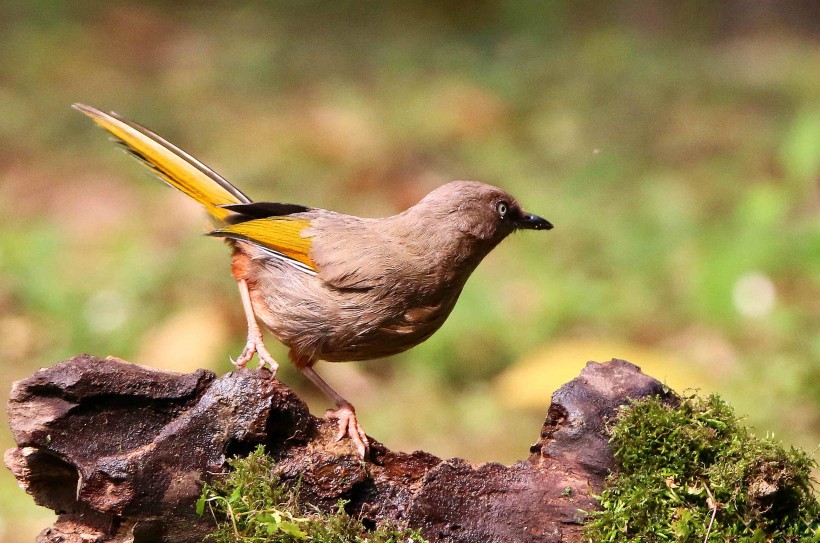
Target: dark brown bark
<point x="120" y="451"/>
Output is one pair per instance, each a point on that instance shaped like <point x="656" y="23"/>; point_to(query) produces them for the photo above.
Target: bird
<point x="334" y="287"/>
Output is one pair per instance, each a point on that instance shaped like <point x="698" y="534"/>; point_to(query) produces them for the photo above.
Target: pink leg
<point x="345" y="414"/>
<point x="254" y="343"/>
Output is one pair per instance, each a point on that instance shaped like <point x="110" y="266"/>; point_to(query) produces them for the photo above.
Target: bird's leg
<point x="345" y="414"/>
<point x="254" y="343"/>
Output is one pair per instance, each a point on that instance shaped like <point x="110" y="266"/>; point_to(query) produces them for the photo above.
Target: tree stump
<point x="120" y="452"/>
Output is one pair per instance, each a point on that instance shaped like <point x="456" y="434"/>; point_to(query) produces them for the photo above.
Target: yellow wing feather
<point x="284" y="235"/>
<point x="174" y="166"/>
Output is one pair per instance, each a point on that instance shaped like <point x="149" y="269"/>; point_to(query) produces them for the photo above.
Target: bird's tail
<point x="171" y="164"/>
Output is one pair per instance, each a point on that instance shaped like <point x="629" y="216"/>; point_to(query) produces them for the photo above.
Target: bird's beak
<point x="528" y="221"/>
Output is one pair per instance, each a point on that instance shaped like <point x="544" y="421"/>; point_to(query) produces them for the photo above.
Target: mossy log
<point x="120" y="452"/>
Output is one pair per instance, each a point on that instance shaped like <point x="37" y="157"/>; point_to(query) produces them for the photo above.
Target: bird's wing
<point x="345" y="252"/>
<point x="353" y="253"/>
<point x="283" y="238"/>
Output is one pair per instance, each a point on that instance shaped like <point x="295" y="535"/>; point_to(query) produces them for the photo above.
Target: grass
<point x="693" y="472"/>
<point x="686" y="473"/>
<point x="253" y="505"/>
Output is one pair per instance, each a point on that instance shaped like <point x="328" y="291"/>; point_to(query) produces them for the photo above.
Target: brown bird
<point x="331" y="286"/>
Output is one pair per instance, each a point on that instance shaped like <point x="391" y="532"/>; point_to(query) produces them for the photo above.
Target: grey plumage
<point x="336" y="287"/>
<point x="383" y="285"/>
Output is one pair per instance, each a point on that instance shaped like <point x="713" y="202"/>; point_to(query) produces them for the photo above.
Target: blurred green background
<point x="675" y="147"/>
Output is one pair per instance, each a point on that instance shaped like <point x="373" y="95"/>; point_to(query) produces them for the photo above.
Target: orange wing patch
<point x="282" y="235"/>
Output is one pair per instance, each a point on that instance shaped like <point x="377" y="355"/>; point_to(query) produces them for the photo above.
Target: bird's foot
<point x="349" y="426"/>
<point x="256" y="345"/>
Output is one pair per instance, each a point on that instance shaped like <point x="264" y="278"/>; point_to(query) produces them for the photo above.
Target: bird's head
<point x="475" y="210"/>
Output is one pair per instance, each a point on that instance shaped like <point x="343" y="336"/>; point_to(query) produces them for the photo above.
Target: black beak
<point x="528" y="221"/>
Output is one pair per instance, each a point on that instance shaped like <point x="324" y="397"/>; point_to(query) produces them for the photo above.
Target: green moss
<point x="252" y="505"/>
<point x="694" y="469"/>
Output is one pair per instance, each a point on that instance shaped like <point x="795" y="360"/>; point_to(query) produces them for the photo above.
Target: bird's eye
<point x="502" y="208"/>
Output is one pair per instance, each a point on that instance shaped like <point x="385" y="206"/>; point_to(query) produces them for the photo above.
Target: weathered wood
<point x="119" y="451"/>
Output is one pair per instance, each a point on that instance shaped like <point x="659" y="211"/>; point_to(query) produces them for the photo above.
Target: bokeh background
<point x="675" y="146"/>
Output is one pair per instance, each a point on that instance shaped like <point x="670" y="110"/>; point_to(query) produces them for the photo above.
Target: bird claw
<point x="255" y="345"/>
<point x="245" y="356"/>
<point x="349" y="426"/>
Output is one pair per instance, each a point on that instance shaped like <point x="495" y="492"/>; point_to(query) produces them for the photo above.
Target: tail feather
<point x="170" y="163"/>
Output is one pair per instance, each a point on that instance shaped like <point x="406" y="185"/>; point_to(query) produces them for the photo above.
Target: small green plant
<point x="252" y="505"/>
<point x="693" y="472"/>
